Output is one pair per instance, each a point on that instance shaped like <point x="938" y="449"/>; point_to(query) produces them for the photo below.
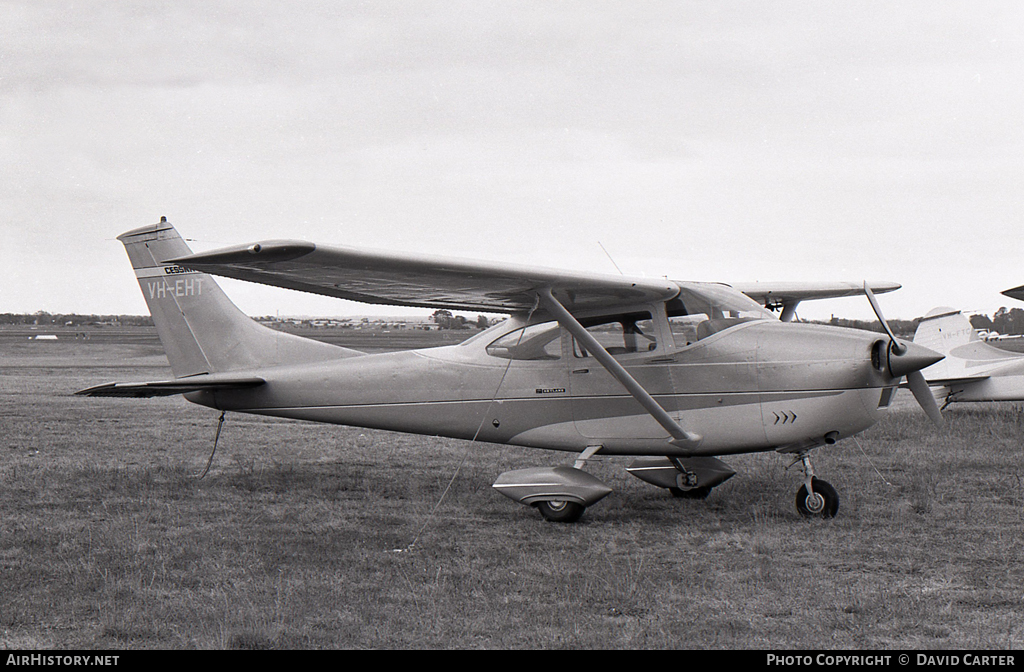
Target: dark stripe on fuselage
<point x="683" y="402"/>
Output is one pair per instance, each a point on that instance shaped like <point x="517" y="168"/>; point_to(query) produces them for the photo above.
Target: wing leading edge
<point x="788" y="295"/>
<point x="781" y="293"/>
<point x="402" y="279"/>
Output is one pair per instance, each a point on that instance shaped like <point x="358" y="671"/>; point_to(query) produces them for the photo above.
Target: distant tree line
<point x="74" y="320"/>
<point x="1005" y="321"/>
<point x="902" y="328"/>
<point x="445" y="320"/>
<point x="1009" y="322"/>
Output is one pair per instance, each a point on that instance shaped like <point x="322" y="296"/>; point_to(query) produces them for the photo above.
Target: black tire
<point x="692" y="493"/>
<point x="560" y="511"/>
<point x="827" y="504"/>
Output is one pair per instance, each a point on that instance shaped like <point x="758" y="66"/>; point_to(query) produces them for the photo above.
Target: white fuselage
<point x="757" y="385"/>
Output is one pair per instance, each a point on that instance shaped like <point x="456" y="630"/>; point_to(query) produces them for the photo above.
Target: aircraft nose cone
<point x="915" y="358"/>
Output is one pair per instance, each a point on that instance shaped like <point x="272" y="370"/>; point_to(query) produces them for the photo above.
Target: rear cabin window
<point x="620" y="335"/>
<point x="536" y="342"/>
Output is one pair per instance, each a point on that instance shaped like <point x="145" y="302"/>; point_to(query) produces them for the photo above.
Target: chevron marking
<point x="785" y="418"/>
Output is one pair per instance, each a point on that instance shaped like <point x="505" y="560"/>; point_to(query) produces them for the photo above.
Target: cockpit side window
<point x="684" y="328"/>
<point x="536" y="342"/>
<point x="620" y="334"/>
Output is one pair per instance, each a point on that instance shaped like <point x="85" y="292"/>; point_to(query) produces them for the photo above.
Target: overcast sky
<point x="711" y="140"/>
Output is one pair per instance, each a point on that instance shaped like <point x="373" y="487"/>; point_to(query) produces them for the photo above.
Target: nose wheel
<point x="815" y="498"/>
<point x="822" y="500"/>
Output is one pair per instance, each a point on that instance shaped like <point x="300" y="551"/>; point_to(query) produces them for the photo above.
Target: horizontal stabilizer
<point x="166" y="388"/>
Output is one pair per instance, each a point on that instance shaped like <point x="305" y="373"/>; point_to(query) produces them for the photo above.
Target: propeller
<point x="908" y="360"/>
<point x="923" y="394"/>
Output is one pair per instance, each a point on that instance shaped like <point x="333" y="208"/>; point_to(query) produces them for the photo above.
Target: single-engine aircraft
<point x="972" y="370"/>
<point x="673" y="373"/>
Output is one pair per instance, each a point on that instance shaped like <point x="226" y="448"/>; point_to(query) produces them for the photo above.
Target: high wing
<point x="776" y="294"/>
<point x="166" y="388"/>
<point x="402" y="279"/>
<point x="787" y="295"/>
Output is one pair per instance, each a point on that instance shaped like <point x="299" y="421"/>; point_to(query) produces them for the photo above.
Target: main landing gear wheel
<point x="823" y="502"/>
<point x="692" y="493"/>
<point x="560" y="510"/>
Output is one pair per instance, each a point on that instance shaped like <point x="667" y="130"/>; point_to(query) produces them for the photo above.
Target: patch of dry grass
<point x="300" y="537"/>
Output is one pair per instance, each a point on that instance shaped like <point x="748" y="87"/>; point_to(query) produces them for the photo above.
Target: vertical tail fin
<point x="943" y="329"/>
<point x="950" y="333"/>
<point x="202" y="331"/>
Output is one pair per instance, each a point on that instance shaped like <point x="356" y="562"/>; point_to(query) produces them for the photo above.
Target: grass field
<point x="309" y="536"/>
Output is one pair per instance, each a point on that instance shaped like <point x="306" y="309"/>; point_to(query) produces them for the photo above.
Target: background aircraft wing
<point x="775" y="294"/>
<point x="947" y="382"/>
<point x="402" y="279"/>
<point x="166" y="388"/>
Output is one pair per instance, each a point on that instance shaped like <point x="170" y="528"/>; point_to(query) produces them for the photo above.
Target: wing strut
<point x="680" y="437"/>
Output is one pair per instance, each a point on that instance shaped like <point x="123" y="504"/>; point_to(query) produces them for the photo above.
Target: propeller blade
<point x="919" y="386"/>
<point x="918" y="359"/>
<point x="896" y="346"/>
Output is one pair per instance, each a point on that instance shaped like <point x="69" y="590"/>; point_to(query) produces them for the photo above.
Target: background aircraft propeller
<point x="908" y="360"/>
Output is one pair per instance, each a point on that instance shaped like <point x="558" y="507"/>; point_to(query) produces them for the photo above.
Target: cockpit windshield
<point x="702" y="309"/>
<point x="716" y="302"/>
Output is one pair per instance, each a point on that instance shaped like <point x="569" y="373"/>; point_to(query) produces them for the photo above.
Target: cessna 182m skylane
<point x="673" y="373"/>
